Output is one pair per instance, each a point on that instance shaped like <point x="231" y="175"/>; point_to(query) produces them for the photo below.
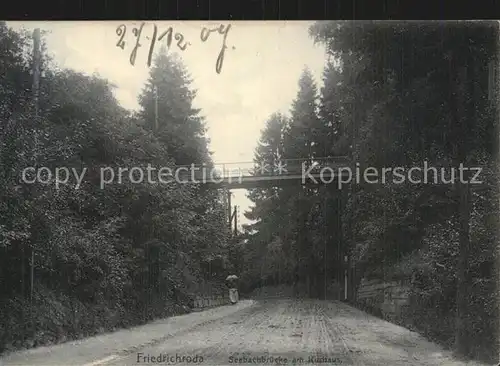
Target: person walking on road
<point x="233" y="290"/>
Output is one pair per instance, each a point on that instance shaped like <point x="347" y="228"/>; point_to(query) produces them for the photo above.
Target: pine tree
<point x="167" y="111"/>
<point x="267" y="156"/>
<point x="304" y="124"/>
<point x="179" y="125"/>
<point x="266" y="212"/>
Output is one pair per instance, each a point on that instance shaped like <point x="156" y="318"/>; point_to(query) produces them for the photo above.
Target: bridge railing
<point x="265" y="168"/>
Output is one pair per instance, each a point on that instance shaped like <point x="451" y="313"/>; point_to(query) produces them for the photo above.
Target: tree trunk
<point x="462" y="342"/>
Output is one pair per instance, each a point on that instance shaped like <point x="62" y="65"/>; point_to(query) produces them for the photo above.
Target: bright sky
<point x="262" y="64"/>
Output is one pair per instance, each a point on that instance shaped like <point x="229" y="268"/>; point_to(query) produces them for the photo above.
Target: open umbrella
<point x="231" y="277"/>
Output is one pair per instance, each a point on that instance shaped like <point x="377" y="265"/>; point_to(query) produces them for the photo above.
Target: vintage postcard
<point x="224" y="193"/>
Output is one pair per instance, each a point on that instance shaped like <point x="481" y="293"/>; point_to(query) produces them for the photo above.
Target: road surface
<point x="307" y="332"/>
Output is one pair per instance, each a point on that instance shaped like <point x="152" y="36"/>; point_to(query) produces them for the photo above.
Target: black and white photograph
<point x="249" y="192"/>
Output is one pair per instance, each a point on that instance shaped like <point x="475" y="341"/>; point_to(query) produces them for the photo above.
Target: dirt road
<point x="263" y="332"/>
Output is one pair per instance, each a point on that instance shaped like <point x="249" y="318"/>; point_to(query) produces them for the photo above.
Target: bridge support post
<point x="235" y="221"/>
<point x="346" y="282"/>
<point x="229" y="211"/>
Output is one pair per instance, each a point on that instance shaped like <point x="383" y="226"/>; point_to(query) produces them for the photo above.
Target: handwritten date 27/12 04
<point x="170" y="36"/>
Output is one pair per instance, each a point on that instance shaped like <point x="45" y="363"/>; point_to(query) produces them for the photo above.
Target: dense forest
<point x="393" y="95"/>
<point x="76" y="262"/>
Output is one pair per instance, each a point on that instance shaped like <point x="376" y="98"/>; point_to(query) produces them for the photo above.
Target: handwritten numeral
<point x="120" y="31"/>
<point x="179" y="37"/>
<point x="137" y="33"/>
<point x="169" y="32"/>
<point x="223" y="30"/>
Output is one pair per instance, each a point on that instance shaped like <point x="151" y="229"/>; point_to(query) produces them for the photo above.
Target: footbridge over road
<point x="284" y="172"/>
<point x="264" y="174"/>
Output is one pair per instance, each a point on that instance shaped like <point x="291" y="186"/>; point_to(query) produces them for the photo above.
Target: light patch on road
<point x="102" y="361"/>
